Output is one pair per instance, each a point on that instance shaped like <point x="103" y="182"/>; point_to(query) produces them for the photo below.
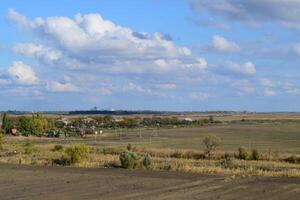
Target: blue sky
<point x="183" y="55"/>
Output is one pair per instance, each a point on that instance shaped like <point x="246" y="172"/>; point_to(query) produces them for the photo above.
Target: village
<point x="79" y="126"/>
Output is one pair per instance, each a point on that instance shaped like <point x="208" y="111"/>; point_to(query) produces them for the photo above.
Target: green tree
<point x="25" y="125"/>
<point x="210" y="144"/>
<point x="5" y="123"/>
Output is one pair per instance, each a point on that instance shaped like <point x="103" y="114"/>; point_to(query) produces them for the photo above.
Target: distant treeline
<point x="115" y="112"/>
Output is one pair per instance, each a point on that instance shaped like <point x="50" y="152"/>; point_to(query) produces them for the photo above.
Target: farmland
<point x="72" y="183"/>
<point x="178" y="161"/>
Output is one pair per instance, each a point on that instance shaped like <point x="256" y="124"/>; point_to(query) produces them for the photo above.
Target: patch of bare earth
<point x="54" y="183"/>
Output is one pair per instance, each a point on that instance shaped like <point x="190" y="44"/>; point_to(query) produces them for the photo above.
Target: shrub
<point x="76" y="153"/>
<point x="61" y="161"/>
<point x="177" y="154"/>
<point x="129" y="160"/>
<point x="29" y="148"/>
<point x="210" y="144"/>
<point x="111" y="164"/>
<point x="242" y="153"/>
<point x="1" y="139"/>
<point x="292" y="159"/>
<point x="226" y="162"/>
<point x="255" y="155"/>
<point x="112" y="150"/>
<point x="57" y="147"/>
<point x="129" y="147"/>
<point x="147" y="160"/>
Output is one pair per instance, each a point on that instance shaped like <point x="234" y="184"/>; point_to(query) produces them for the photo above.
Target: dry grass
<point x="162" y="159"/>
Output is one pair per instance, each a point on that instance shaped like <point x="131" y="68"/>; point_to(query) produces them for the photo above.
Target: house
<point x="188" y="119"/>
<point x="14" y="131"/>
<point x="62" y="122"/>
<point x="88" y="120"/>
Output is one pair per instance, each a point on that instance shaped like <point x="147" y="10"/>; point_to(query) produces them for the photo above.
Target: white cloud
<point x="266" y="82"/>
<point x="221" y="44"/>
<point x="131" y="87"/>
<point x="62" y="87"/>
<point x="37" y="51"/>
<point x="22" y="73"/>
<point x="247" y="68"/>
<point x="244" y="86"/>
<point x="291" y="89"/>
<point x="284" y="12"/>
<point x="166" y="86"/>
<point x="92" y="43"/>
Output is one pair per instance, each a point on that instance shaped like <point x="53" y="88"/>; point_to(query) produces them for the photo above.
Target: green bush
<point x="147" y="160"/>
<point x="58" y="147"/>
<point x="242" y="153"/>
<point x="76" y="154"/>
<point x="255" y="155"/>
<point x="129" y="160"/>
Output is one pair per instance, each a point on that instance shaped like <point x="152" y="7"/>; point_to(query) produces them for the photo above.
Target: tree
<point x="1" y="139"/>
<point x="5" y="123"/>
<point x="25" y="125"/>
<point x="210" y="144"/>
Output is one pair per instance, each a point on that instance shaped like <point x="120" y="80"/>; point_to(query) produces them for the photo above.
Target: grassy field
<point x="275" y="141"/>
<point x="272" y="136"/>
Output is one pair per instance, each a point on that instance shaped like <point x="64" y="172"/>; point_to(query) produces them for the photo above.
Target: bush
<point x="210" y="144"/>
<point x="57" y="147"/>
<point x="226" y="162"/>
<point x="255" y="155"/>
<point x="112" y="150"/>
<point x="76" y="153"/>
<point x="29" y="148"/>
<point x="242" y="153"/>
<point x="1" y="139"/>
<point x="147" y="160"/>
<point x="129" y="147"/>
<point x="129" y="160"/>
<point x="292" y="159"/>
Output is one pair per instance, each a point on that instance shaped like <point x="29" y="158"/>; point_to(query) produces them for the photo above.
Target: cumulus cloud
<point x="56" y="86"/>
<point x="93" y="43"/>
<point x="22" y="73"/>
<point x="233" y="68"/>
<point x="285" y="12"/>
<point x="244" y="86"/>
<point x="268" y="87"/>
<point x="221" y="44"/>
<point x="37" y="51"/>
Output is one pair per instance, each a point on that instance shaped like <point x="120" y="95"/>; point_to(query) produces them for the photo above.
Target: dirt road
<point x="55" y="183"/>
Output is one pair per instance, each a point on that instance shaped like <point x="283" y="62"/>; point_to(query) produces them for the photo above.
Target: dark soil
<point x="55" y="183"/>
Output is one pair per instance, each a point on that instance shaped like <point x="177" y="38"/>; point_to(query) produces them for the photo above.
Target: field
<point x="176" y="171"/>
<point x="49" y="183"/>
<point x="270" y="136"/>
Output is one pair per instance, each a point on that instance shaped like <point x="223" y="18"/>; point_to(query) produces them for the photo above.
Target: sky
<point x="171" y="55"/>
